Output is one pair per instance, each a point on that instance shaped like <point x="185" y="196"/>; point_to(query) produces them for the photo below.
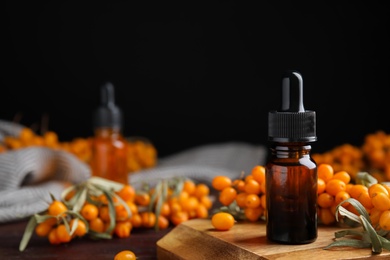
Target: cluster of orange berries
<point x="141" y="154"/>
<point x="83" y="211"/>
<point x="334" y="187"/>
<point x="373" y="156"/>
<point x="246" y="192"/>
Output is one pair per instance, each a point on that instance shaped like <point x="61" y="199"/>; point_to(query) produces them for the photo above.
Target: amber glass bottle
<point x="109" y="148"/>
<point x="291" y="174"/>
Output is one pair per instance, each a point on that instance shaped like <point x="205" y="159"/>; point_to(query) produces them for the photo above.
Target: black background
<point x="190" y="73"/>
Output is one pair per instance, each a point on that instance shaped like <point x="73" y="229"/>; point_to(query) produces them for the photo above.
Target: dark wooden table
<point x="141" y="241"/>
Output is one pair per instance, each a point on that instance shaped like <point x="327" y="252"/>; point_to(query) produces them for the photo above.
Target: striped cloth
<point x="29" y="175"/>
<point x="204" y="162"/>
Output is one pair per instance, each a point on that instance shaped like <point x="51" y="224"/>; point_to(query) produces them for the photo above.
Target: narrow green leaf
<point x="385" y="243"/>
<point x="348" y="232"/>
<point x="346" y="213"/>
<point x="122" y="202"/>
<point x="365" y="179"/>
<point x="111" y="210"/>
<point x="42" y="218"/>
<point x="375" y="241"/>
<point x="98" y="235"/>
<point x="350" y="243"/>
<point x="82" y="196"/>
<point x="28" y="233"/>
<point x="107" y="184"/>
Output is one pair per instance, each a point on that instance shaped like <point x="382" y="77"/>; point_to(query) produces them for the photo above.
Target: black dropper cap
<point x="292" y="123"/>
<point x="108" y="114"/>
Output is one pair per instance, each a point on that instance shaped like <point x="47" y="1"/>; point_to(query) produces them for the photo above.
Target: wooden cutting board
<point x="196" y="239"/>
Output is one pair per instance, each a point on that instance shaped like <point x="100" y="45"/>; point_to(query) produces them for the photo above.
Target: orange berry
<point x="239" y="185"/>
<point x="81" y="228"/>
<point x="334" y="186"/>
<point x="125" y="255"/>
<point x="179" y="217"/>
<point x="258" y="173"/>
<point x="142" y="199"/>
<point x="381" y="201"/>
<point x="206" y="201"/>
<point x="127" y="193"/>
<point x="253" y="214"/>
<point x="241" y="199"/>
<point x="53" y="238"/>
<point x="201" y="190"/>
<point x="201" y="211"/>
<point x="326" y="216"/>
<point x="63" y="234"/>
<point x="122" y="229"/>
<point x="342" y="175"/>
<point x="162" y="222"/>
<point x="384" y="220"/>
<point x="374" y="189"/>
<point x="325" y="171"/>
<point x="222" y="221"/>
<point x="189" y="186"/>
<point x="148" y="219"/>
<point x="136" y="220"/>
<point x="56" y="208"/>
<point x="220" y="182"/>
<point x="89" y="211"/>
<point x="340" y="197"/>
<point x="252" y="201"/>
<point x="325" y="200"/>
<point x="252" y="187"/>
<point x="43" y="229"/>
<point x="97" y="225"/>
<point x="320" y="186"/>
<point x="227" y="196"/>
<point x="356" y="190"/>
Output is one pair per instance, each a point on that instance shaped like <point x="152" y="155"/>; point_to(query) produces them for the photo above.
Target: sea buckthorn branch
<point x="369" y="237"/>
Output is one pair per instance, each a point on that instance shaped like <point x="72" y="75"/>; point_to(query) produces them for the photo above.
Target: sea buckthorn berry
<point x="63" y="234"/>
<point x="125" y="255"/>
<point x="201" y="211"/>
<point x="142" y="199"/>
<point x="375" y="215"/>
<point x="241" y="199"/>
<point x="365" y="200"/>
<point x="376" y="188"/>
<point x="127" y="193"/>
<point x="340" y="197"/>
<point x="253" y="214"/>
<point x="56" y="208"/>
<point x="252" y="187"/>
<point x="179" y="217"/>
<point x="239" y="185"/>
<point x="136" y="220"/>
<point x="334" y="186"/>
<point x="252" y="201"/>
<point x="384" y="220"/>
<point x="222" y="221"/>
<point x="123" y="229"/>
<point x="81" y="228"/>
<point x="258" y="173"/>
<point x="206" y="201"/>
<point x="227" y="196"/>
<point x="201" y="190"/>
<point x="189" y="204"/>
<point x="43" y="229"/>
<point x="381" y="201"/>
<point x="148" y="219"/>
<point x="326" y="216"/>
<point x="220" y="182"/>
<point x="97" y="225"/>
<point x="342" y="175"/>
<point x="53" y="238"/>
<point x="189" y="186"/>
<point x="325" y="200"/>
<point x="325" y="171"/>
<point x="320" y="186"/>
<point x="356" y="190"/>
<point x="89" y="211"/>
<point x="162" y="222"/>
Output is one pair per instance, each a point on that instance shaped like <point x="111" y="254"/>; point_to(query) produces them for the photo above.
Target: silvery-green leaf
<point x="27" y="233"/>
<point x="375" y="241"/>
